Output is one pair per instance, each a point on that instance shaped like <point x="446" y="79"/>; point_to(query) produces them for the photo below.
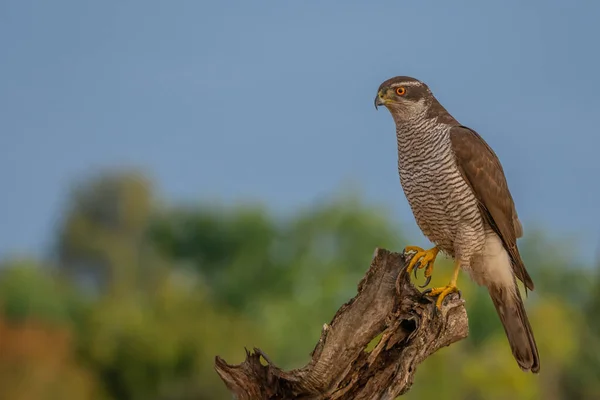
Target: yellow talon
<point x="426" y="258"/>
<point x="429" y="270"/>
<point x="444" y="291"/>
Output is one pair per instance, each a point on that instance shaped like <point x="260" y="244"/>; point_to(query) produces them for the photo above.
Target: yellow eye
<point x="401" y="91"/>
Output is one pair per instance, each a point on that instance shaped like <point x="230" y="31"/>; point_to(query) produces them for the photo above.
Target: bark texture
<point x="387" y="305"/>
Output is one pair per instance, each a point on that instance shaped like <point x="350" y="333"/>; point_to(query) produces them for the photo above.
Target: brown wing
<point x="482" y="170"/>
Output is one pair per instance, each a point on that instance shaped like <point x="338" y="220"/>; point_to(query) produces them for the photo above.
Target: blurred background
<point x="179" y="180"/>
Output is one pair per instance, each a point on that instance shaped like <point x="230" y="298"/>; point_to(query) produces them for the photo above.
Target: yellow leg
<point x="426" y="258"/>
<point x="443" y="291"/>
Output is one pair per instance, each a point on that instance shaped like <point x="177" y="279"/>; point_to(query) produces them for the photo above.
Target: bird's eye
<point x="401" y="91"/>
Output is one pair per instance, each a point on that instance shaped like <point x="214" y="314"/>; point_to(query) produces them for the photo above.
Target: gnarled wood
<point x="386" y="304"/>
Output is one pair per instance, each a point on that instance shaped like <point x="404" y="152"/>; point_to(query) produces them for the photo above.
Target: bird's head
<point x="406" y="98"/>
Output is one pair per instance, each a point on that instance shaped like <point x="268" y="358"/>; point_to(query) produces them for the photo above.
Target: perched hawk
<point x="458" y="193"/>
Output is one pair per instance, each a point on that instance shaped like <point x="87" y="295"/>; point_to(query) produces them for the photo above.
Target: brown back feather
<point x="482" y="170"/>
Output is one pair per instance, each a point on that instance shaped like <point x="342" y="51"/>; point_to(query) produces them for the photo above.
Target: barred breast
<point x="443" y="204"/>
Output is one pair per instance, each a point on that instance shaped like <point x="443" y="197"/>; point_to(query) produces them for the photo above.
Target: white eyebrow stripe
<point x="406" y="84"/>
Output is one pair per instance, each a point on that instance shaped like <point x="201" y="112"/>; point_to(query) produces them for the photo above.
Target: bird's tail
<point x="511" y="310"/>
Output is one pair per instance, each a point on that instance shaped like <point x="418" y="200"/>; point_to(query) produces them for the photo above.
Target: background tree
<point x="139" y="298"/>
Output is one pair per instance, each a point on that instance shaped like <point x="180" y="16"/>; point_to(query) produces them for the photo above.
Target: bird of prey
<point x="460" y="199"/>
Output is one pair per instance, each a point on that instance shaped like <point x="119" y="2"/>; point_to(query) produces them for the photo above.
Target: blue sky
<point x="273" y="101"/>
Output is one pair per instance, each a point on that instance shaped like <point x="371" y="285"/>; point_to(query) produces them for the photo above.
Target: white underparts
<point x="493" y="267"/>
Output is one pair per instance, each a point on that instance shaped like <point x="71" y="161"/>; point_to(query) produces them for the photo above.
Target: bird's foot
<point x="442" y="292"/>
<point x="423" y="259"/>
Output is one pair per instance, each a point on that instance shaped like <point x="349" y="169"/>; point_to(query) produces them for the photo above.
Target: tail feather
<point x="511" y="311"/>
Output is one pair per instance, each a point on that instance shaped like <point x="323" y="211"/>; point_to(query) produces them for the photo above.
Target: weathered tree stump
<point x="386" y="304"/>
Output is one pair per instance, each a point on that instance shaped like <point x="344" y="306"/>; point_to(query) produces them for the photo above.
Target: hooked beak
<point x="378" y="100"/>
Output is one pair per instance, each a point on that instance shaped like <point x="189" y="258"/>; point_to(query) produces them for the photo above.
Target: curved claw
<point x="416" y="267"/>
<point x="424" y="292"/>
<point x="427" y="283"/>
<point x="441" y="293"/>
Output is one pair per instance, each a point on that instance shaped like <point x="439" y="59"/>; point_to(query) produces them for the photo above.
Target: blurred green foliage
<point x="138" y="298"/>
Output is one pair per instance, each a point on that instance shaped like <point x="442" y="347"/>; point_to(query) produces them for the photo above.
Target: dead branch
<point x="387" y="304"/>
